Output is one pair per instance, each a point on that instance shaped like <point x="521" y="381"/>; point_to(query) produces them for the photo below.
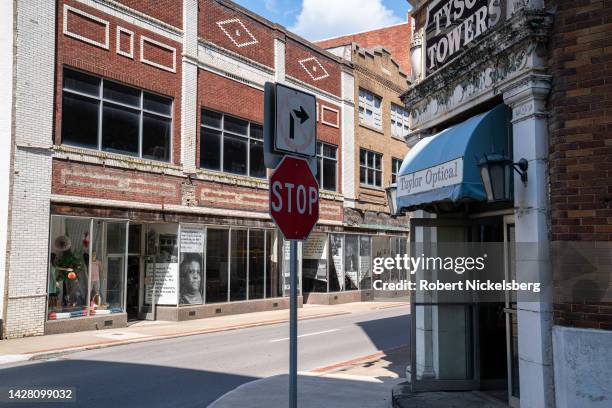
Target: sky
<point x="320" y="19"/>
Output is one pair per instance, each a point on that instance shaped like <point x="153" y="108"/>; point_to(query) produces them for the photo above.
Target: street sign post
<point x="294" y="207"/>
<point x="290" y="141"/>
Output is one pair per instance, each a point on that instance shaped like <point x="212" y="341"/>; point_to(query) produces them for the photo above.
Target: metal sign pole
<point x="293" y="325"/>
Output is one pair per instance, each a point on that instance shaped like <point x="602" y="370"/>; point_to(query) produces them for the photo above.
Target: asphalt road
<point x="194" y="371"/>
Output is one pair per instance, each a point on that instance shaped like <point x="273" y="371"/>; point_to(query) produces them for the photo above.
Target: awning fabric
<point x="442" y="171"/>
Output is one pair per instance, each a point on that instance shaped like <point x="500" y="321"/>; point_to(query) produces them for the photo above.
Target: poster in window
<point x="192" y="240"/>
<point x="365" y="258"/>
<point x="336" y="249"/>
<point x="314" y="257"/>
<point x="163" y="278"/>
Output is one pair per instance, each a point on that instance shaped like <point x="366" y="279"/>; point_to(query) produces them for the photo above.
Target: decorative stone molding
<point x="527" y="97"/>
<point x="480" y="71"/>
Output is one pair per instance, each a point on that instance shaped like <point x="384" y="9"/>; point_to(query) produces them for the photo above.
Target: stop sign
<point x="294" y="198"/>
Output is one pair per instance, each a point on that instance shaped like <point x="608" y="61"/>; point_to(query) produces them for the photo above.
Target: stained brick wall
<point x="396" y="39"/>
<point x="107" y="63"/>
<point x="581" y="137"/>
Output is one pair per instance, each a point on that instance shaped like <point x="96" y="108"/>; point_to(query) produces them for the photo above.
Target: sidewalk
<point x="43" y="346"/>
<point x="366" y="382"/>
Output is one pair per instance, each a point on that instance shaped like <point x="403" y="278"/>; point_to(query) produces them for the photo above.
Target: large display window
<point x="315" y="262"/>
<point x="87" y="267"/>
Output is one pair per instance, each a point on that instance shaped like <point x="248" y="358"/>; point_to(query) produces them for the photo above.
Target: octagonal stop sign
<point x="294" y="198"/>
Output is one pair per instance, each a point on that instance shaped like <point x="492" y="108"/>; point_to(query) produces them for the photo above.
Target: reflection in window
<point x="231" y="145"/>
<point x="134" y="122"/>
<point x="256" y="264"/>
<point x="365" y="262"/>
<point x="274" y="283"/>
<point x="238" y="265"/>
<point x="327" y="166"/>
<point x="314" y="263"/>
<point x="370" y="168"/>
<point x="336" y="276"/>
<point x="216" y="265"/>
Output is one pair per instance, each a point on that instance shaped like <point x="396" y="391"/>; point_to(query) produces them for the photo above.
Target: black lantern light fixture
<point x="496" y="173"/>
<point x="392" y="198"/>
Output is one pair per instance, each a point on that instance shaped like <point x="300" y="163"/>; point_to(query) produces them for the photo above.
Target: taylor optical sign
<point x="452" y="25"/>
<point x="443" y="175"/>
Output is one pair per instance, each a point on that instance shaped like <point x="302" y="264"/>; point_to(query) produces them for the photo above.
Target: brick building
<point x="496" y="82"/>
<point x="136" y="181"/>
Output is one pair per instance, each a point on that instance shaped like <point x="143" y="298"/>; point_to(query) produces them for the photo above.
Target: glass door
<point x="444" y="349"/>
<point x="511" y="314"/>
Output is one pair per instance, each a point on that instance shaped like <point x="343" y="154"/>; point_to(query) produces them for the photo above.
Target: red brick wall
<point x="581" y="138"/>
<point x="325" y="76"/>
<point x="94" y="181"/>
<point x="396" y="39"/>
<point x="215" y="18"/>
<point x="72" y="52"/>
<point x="168" y="11"/>
<point x="330" y="134"/>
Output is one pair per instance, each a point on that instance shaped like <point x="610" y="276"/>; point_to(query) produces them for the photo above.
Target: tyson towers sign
<point x="453" y="24"/>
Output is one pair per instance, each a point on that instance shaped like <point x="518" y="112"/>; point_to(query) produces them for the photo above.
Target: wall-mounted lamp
<point x="496" y="172"/>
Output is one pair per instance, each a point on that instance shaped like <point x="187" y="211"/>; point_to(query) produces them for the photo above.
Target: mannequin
<point x="96" y="268"/>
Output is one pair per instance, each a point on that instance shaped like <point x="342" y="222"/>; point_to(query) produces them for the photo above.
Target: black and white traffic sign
<point x="290" y="124"/>
<point x="296" y="121"/>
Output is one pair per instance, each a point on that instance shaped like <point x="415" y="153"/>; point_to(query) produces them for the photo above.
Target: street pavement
<point x="196" y="370"/>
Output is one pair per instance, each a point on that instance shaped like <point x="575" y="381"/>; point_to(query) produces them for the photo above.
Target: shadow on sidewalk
<point x="114" y="385"/>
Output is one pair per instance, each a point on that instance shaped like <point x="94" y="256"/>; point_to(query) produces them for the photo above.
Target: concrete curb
<point x="57" y="352"/>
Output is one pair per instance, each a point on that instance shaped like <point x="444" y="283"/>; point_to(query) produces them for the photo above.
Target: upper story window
<point x="231" y="145"/>
<point x="399" y="121"/>
<point x="370" y="109"/>
<point x="395" y="167"/>
<point x="327" y="166"/>
<point x="370" y="168"/>
<point x="104" y="115"/>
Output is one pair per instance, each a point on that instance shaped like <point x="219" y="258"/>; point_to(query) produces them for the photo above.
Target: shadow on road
<point x="115" y="385"/>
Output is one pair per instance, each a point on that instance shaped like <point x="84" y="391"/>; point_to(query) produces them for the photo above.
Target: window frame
<point x="365" y="105"/>
<point x="222" y="130"/>
<point x="100" y="99"/>
<point x="394" y="170"/>
<point x="367" y="168"/>
<point x="401" y="115"/>
<point x="320" y="156"/>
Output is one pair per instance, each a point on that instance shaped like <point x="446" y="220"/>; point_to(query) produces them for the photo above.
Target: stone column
<point x="527" y="98"/>
<point x="349" y="149"/>
<point x="189" y="87"/>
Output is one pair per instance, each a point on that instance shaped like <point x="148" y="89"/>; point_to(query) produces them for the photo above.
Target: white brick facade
<point x="31" y="178"/>
<point x="6" y="106"/>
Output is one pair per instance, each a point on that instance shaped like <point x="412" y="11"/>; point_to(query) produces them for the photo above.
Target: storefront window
<point x="216" y="265"/>
<point x="162" y="264"/>
<point x="314" y="263"/>
<point x="87" y="267"/>
<point x="365" y="262"/>
<point x="274" y="283"/>
<point x="256" y="263"/>
<point x="238" y="265"/>
<point x="336" y="276"/>
<point x="351" y="262"/>
<point x="191" y="272"/>
<point x="381" y="249"/>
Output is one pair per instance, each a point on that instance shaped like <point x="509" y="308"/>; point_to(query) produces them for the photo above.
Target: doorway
<point x="133" y="298"/>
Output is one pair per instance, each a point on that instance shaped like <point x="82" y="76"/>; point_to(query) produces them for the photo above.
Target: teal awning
<point x="442" y="170"/>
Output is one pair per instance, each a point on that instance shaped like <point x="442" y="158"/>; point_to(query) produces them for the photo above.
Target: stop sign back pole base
<point x="293" y="325"/>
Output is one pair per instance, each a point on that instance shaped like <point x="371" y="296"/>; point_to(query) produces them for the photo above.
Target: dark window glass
<point x="329" y="174"/>
<point x="363" y="175"/>
<point x="159" y="104"/>
<point x="156" y="137"/>
<point x="362" y="157"/>
<point x="216" y="265"/>
<point x="257" y="167"/>
<point x="256" y="131"/>
<point x="120" y="129"/>
<point x="378" y="181"/>
<point x="234" y="154"/>
<point x="329" y="151"/>
<point x="238" y="275"/>
<point x="256" y="264"/>
<point x="235" y="125"/>
<point x="210" y="118"/>
<point x="77" y="81"/>
<point x="122" y="94"/>
<point x="210" y="149"/>
<point x="80" y="121"/>
<point x="274" y="284"/>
